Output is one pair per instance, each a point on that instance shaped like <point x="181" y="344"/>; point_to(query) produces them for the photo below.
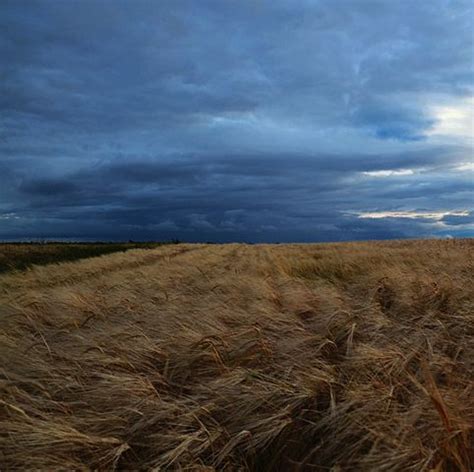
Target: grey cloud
<point x="455" y="220"/>
<point x="216" y="120"/>
<point x="48" y="187"/>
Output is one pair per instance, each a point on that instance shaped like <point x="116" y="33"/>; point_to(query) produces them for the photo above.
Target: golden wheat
<point x="335" y="357"/>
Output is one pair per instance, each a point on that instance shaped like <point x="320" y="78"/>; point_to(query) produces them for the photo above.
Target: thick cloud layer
<point x="254" y="121"/>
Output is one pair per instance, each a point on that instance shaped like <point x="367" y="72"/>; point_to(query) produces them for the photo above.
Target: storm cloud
<point x="225" y="121"/>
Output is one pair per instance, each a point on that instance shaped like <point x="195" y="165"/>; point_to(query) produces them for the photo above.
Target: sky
<point x="248" y="120"/>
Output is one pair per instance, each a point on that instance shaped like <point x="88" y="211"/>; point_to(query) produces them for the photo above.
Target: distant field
<point x="328" y="357"/>
<point x="22" y="255"/>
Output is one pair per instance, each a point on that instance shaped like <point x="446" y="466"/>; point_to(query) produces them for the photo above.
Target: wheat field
<point x="330" y="357"/>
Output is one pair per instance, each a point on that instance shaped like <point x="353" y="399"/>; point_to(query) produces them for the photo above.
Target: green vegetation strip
<point x="20" y="256"/>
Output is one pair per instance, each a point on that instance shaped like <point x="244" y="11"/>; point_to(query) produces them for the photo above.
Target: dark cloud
<point x="389" y="121"/>
<point x="458" y="220"/>
<point x="48" y="188"/>
<point x="232" y="120"/>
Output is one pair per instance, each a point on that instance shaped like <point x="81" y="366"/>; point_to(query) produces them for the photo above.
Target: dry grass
<point x="289" y="357"/>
